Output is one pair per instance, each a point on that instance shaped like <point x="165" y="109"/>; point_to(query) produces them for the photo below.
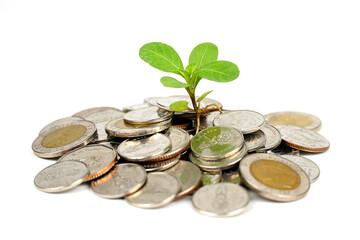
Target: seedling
<point x="203" y="64"/>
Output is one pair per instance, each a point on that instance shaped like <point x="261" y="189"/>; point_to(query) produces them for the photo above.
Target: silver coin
<point x="217" y="142"/>
<point x="274" y="177"/>
<point x="208" y="120"/>
<point x="221" y="200"/>
<point x="283" y="149"/>
<point x="231" y="176"/>
<point x="87" y="112"/>
<point x="245" y="121"/>
<point x="152" y="100"/>
<point x="118" y="128"/>
<point x="160" y="165"/>
<point x="99" y="159"/>
<point x="299" y="119"/>
<point x="61" y="121"/>
<point x="136" y="107"/>
<point x="211" y="177"/>
<point x="303" y="139"/>
<point x="254" y="140"/>
<point x="165" y="102"/>
<point x="160" y="189"/>
<point x="100" y="118"/>
<point x="147" y="115"/>
<point x="272" y="136"/>
<point x="60" y="139"/>
<point x="122" y="180"/>
<point x="309" y="167"/>
<point x="188" y="174"/>
<point x="61" y="176"/>
<point x="223" y="164"/>
<point x="144" y="149"/>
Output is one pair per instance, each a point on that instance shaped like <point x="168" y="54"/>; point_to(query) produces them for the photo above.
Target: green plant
<point x="203" y="64"/>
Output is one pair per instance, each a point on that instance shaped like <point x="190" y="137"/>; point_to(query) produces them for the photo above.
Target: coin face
<point x="254" y="140"/>
<point x="303" y="139"/>
<point x="136" y="107"/>
<point x="147" y="115"/>
<point x="99" y="159"/>
<point x="283" y="149"/>
<point x="245" y="121"/>
<point x="152" y="100"/>
<point x="161" y="165"/>
<point x="122" y="180"/>
<point x="61" y="176"/>
<point x="144" y="149"/>
<point x="118" y="128"/>
<point x="189" y="176"/>
<point x="217" y="142"/>
<point x="309" y="167"/>
<point x="272" y="136"/>
<point x="231" y="176"/>
<point x="60" y="139"/>
<point x="300" y="119"/>
<point x="208" y="120"/>
<point x="87" y="112"/>
<point x="210" y="177"/>
<point x="160" y="189"/>
<point x="274" y="177"/>
<point x="61" y="121"/>
<point x="221" y="200"/>
<point x="223" y="164"/>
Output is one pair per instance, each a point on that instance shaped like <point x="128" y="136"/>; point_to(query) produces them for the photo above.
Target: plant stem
<point x="196" y="108"/>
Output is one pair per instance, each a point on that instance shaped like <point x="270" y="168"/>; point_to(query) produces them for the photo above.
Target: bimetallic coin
<point x="136" y="107"/>
<point x="189" y="176"/>
<point x="144" y="149"/>
<point x="223" y="164"/>
<point x="147" y="115"/>
<point x="274" y="177"/>
<point x="99" y="159"/>
<point x="272" y="136"/>
<point x="118" y="128"/>
<point x="160" y="189"/>
<point x="299" y="119"/>
<point x="231" y="176"/>
<point x="60" y="139"/>
<point x="303" y="139"/>
<point x="61" y="176"/>
<point x="210" y="177"/>
<point x="245" y="121"/>
<point x="283" y="149"/>
<point x="122" y="180"/>
<point x="221" y="200"/>
<point x="160" y="165"/>
<point x="217" y="142"/>
<point x="59" y="122"/>
<point x="254" y="140"/>
<point x="309" y="167"/>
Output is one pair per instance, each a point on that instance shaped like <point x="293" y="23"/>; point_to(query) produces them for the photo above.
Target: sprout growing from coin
<point x="203" y="64"/>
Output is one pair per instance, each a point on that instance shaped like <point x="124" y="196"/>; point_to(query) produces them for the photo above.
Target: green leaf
<point x="203" y="96"/>
<point x="162" y="57"/>
<point x="173" y="83"/>
<point x="202" y="54"/>
<point x="190" y="68"/>
<point x="219" y="71"/>
<point x="179" y="106"/>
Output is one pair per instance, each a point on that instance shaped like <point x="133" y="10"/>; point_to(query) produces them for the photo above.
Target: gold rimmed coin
<point x="274" y="177"/>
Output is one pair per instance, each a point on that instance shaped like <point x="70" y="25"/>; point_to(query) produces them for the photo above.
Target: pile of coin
<point x="148" y="155"/>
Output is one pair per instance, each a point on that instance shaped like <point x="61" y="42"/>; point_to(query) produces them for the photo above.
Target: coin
<point x="165" y="102"/>
<point x="303" y="139"/>
<point x="254" y="140"/>
<point x="59" y="122"/>
<point x="245" y="121"/>
<point x="274" y="177"/>
<point x="231" y="176"/>
<point x="147" y="115"/>
<point x="160" y="189"/>
<point x="221" y="200"/>
<point x="189" y="176"/>
<point x="152" y="100"/>
<point x="299" y="119"/>
<point x="309" y="167"/>
<point x="61" y="176"/>
<point x="118" y="128"/>
<point x="87" y="112"/>
<point x="208" y="120"/>
<point x="283" y="149"/>
<point x="122" y="180"/>
<point x="223" y="164"/>
<point x="217" y="142"/>
<point x="272" y="136"/>
<point x="100" y="117"/>
<point x="144" y="149"/>
<point x="210" y="177"/>
<point x="60" y="139"/>
<point x="160" y="165"/>
<point x="99" y="159"/>
<point x="136" y="107"/>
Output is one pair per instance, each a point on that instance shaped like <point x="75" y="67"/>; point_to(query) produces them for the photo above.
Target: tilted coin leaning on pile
<point x="151" y="156"/>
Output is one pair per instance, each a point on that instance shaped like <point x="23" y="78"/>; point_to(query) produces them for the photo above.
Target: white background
<point x="60" y="57"/>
